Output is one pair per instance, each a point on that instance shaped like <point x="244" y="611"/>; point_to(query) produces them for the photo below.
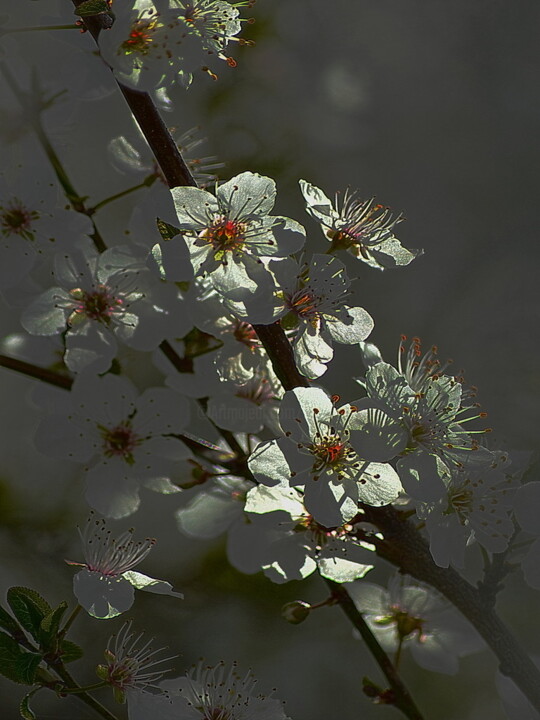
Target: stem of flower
<point x="76" y="200"/>
<point x="403" y="700"/>
<point x="79" y="692"/>
<point x="10" y="31"/>
<point x="150" y="180"/>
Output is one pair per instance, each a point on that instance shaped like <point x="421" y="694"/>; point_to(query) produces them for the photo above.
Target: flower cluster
<point x="154" y="43"/>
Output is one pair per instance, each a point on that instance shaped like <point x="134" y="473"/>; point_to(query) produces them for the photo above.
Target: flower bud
<point x="295" y="612"/>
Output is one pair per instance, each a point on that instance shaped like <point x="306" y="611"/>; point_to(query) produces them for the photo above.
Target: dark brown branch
<point x="280" y="352"/>
<point x="34" y="371"/>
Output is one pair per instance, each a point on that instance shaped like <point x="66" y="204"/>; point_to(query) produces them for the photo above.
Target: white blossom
<point x="105" y="585"/>
<point x="362" y="227"/>
<point x="33" y="222"/>
<point x="99" y="300"/>
<point x="295" y="544"/>
<point x="126" y="440"/>
<point x="476" y="506"/>
<point x="324" y="450"/>
<point x="228" y="234"/>
<point x="412" y="615"/>
<point x="220" y="693"/>
<point x="311" y="303"/>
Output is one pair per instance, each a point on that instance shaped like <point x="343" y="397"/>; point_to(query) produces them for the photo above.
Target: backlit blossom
<point x="219" y="693"/>
<point x="362" y="227"/>
<point x="154" y="43"/>
<point x="411" y="615"/>
<point x="99" y="300"/>
<point x="105" y="586"/>
<point x="131" y="664"/>
<point x="476" y="506"/>
<point x="324" y="450"/>
<point x="293" y="544"/>
<point x="228" y="234"/>
<point x="311" y="303"/>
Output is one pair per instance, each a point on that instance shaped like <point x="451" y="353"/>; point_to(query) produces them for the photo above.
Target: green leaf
<point x="24" y="708"/>
<point x="27" y="665"/>
<point x="15" y="664"/>
<point x="92" y="7"/>
<point x="10" y="624"/>
<point x="49" y="627"/>
<point x="166" y="231"/>
<point x="29" y="608"/>
<point x="69" y="651"/>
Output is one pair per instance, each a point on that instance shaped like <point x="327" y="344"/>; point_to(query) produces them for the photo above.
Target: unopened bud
<point x="295" y="612"/>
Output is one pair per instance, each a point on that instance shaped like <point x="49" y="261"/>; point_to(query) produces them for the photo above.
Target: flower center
<point x="97" y="305"/>
<point x="459" y="502"/>
<point x="16" y="219"/>
<point x="120" y="441"/>
<point x="140" y="37"/>
<point x="303" y="303"/>
<point x="245" y="334"/>
<point x="225" y="235"/>
<point x="258" y="392"/>
<point x="404" y="623"/>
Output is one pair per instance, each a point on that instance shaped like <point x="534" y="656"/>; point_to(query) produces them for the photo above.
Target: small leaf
<point x="27" y="665"/>
<point x="166" y="231"/>
<point x="24" y="708"/>
<point x="50" y="625"/>
<point x="29" y="608"/>
<point x="69" y="651"/>
<point x="92" y="7"/>
<point x="16" y="665"/>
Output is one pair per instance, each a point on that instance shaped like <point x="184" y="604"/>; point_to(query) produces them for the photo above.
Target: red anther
<point x="316" y="411"/>
<point x="231" y="62"/>
<point x="403" y="338"/>
<point x="483" y="414"/>
<point x="335" y="398"/>
<point x="354" y="408"/>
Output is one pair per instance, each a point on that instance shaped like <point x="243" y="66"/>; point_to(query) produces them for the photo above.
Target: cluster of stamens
<point x="140" y="38"/>
<point x="221" y="695"/>
<point x="304" y="304"/>
<point x="245" y="334"/>
<point x="99" y="305"/>
<point x="225" y="235"/>
<point x="111" y="556"/>
<point x="258" y="390"/>
<point x="362" y="224"/>
<point x="16" y="219"/>
<point x="331" y="449"/>
<point x="120" y="441"/>
<point x="129" y="663"/>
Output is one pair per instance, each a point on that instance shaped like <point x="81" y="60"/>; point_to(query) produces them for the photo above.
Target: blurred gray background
<point x="433" y="107"/>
